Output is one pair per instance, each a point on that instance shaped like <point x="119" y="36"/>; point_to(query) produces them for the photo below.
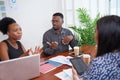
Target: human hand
<point x="67" y="39"/>
<point x="26" y="53"/>
<point x="75" y="75"/>
<point x="37" y="50"/>
<point x="53" y="45"/>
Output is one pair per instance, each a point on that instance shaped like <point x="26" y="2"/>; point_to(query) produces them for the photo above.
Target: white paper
<point x="63" y="76"/>
<point x="68" y="72"/>
<point x="62" y="59"/>
<point x="12" y="5"/>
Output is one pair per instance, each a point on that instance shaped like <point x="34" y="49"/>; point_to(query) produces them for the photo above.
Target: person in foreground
<point x="106" y="65"/>
<point x="57" y="39"/>
<point x="12" y="48"/>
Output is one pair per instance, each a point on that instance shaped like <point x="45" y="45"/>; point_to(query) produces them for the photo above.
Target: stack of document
<point x="65" y="74"/>
<point x="53" y="63"/>
<point x="62" y="59"/>
<point x="48" y="65"/>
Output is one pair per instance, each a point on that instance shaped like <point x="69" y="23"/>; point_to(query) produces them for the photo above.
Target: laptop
<point x="23" y="68"/>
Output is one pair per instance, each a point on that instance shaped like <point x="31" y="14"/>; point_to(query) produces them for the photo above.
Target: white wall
<point x="34" y="16"/>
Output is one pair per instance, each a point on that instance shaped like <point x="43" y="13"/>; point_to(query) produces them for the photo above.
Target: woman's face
<point x="96" y="35"/>
<point x="14" y="31"/>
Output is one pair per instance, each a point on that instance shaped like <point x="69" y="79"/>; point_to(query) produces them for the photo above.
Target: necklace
<point x="14" y="45"/>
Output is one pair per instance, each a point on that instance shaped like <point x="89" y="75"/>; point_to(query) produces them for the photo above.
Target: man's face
<point x="57" y="22"/>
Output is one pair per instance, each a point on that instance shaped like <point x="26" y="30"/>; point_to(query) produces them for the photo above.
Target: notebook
<point x="23" y="68"/>
<point x="48" y="66"/>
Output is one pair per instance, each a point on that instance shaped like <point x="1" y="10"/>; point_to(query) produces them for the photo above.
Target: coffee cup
<point x="76" y="50"/>
<point x="86" y="58"/>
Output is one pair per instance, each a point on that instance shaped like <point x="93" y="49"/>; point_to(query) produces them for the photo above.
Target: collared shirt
<point x="106" y="67"/>
<point x="52" y="36"/>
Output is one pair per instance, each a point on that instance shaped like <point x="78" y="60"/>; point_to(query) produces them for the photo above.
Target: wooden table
<point x="50" y="75"/>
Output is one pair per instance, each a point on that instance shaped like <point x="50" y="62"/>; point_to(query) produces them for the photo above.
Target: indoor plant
<point x="84" y="33"/>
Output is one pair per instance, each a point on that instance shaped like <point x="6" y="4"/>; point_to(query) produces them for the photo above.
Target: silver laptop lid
<point x="23" y="68"/>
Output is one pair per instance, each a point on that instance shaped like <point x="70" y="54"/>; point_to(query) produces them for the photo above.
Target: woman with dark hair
<point x="106" y="65"/>
<point x="12" y="48"/>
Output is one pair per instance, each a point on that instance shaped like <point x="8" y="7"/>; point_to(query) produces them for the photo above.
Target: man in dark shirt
<point x="57" y="39"/>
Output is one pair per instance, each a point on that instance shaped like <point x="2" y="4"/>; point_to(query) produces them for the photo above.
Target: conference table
<point x="51" y="75"/>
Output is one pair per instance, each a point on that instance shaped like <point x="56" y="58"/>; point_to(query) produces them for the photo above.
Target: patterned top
<point x="105" y="67"/>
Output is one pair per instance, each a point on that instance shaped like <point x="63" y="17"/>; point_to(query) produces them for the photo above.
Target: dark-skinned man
<point x="57" y="39"/>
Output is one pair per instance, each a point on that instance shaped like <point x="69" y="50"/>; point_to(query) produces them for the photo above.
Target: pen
<point x="44" y="63"/>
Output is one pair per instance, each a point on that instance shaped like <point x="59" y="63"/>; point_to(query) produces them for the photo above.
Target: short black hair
<point x="58" y="14"/>
<point x="4" y="23"/>
<point x="108" y="34"/>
